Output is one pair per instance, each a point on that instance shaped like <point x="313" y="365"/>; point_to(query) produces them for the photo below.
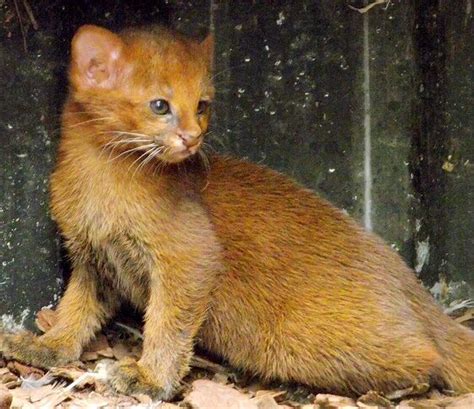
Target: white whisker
<point x="114" y="143"/>
<point x="144" y="154"/>
<point x="150" y="155"/>
<point x="88" y="121"/>
<point x="131" y="133"/>
<point x="205" y="160"/>
<point x="130" y="151"/>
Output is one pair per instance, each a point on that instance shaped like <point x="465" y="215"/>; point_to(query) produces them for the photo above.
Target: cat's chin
<point x="177" y="157"/>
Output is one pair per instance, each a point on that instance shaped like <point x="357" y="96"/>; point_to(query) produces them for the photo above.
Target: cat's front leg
<point x="81" y="312"/>
<point x="175" y="311"/>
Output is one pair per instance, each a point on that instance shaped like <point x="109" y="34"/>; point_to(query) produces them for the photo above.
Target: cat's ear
<point x="207" y="46"/>
<point x="96" y="58"/>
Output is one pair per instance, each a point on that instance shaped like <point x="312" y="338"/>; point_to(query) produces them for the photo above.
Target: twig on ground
<point x="137" y="334"/>
<point x="365" y="9"/>
<point x="459" y="305"/>
<point x="22" y="28"/>
<point x="203" y="363"/>
<point x="29" y="11"/>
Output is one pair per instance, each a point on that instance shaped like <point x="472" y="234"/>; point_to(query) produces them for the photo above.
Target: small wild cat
<point x="228" y="254"/>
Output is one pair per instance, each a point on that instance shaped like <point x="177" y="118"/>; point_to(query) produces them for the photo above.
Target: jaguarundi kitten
<point x="227" y="254"/>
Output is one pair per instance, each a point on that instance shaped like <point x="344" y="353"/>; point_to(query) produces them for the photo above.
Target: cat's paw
<point x="129" y="377"/>
<point x="31" y="350"/>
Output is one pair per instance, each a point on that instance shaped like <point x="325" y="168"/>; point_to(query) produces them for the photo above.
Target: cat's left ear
<point x="207" y="46"/>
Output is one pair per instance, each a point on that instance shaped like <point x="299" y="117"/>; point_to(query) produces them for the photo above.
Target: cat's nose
<point x="190" y="137"/>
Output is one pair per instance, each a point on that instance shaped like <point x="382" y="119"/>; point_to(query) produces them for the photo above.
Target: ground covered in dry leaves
<point x="210" y="385"/>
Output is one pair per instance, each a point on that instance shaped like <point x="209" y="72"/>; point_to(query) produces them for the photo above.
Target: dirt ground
<point x="210" y="385"/>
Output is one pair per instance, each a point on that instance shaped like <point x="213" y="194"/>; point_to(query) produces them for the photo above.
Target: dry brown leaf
<point x="203" y="363"/>
<point x="106" y="353"/>
<point x="373" y="398"/>
<point x="277" y="395"/>
<point x="123" y="401"/>
<point x="89" y="356"/>
<point x="210" y="395"/>
<point x="21" y="398"/>
<point x="463" y="401"/>
<point x="101" y="386"/>
<point x="94" y="400"/>
<point x="98" y="344"/>
<point x="143" y="398"/>
<point x="265" y="401"/>
<point x="334" y="400"/>
<point x="13" y="384"/>
<point x="4" y="371"/>
<point x="54" y="399"/>
<point x="444" y="402"/>
<point x="405" y="404"/>
<point x="220" y="377"/>
<point x="6" y="397"/>
<point x="121" y="351"/>
<point x="70" y="373"/>
<point x="254" y="386"/>
<point x="458" y="402"/>
<point x="25" y="371"/>
<point x="137" y="351"/>
<point x="84" y="379"/>
<point x="45" y="319"/>
<point x="42" y="392"/>
<point x="467" y="316"/>
<point x="416" y="390"/>
<point x="361" y="405"/>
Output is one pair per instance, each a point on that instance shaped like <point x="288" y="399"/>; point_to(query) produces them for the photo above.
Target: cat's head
<point x="144" y="91"/>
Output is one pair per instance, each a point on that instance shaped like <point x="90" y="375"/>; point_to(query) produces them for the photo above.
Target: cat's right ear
<point x="96" y="58"/>
<point x="207" y="46"/>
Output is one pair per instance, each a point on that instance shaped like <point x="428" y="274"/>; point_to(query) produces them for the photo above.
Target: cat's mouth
<point x="178" y="154"/>
<point x="177" y="148"/>
<point x="149" y="149"/>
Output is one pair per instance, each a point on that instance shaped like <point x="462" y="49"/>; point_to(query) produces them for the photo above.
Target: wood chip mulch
<point x="210" y="385"/>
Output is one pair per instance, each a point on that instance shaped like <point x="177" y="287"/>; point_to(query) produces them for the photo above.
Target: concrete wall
<point x="371" y="110"/>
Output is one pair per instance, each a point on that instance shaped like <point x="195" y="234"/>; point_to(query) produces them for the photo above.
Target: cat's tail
<point x="457" y="371"/>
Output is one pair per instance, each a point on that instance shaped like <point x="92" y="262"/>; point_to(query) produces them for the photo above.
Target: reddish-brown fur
<point x="231" y="255"/>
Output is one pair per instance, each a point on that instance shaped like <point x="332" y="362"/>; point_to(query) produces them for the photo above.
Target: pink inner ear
<point x="96" y="55"/>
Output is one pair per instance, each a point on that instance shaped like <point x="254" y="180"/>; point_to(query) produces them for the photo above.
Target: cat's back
<point x="287" y="233"/>
<point x="248" y="198"/>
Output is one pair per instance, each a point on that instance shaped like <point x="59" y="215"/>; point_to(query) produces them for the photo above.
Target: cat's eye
<point x="203" y="106"/>
<point x="160" y="106"/>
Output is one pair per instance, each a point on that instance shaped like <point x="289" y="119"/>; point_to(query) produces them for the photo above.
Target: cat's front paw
<point x="31" y="350"/>
<point x="129" y="377"/>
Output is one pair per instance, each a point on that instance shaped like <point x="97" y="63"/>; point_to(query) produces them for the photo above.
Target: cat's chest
<point x="102" y="204"/>
<point x="108" y="212"/>
<point x="122" y="263"/>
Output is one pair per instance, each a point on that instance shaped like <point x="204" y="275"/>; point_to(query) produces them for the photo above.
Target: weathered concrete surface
<point x="459" y="162"/>
<point x="29" y="256"/>
<point x="285" y="81"/>
<point x="291" y="95"/>
<point x="390" y="70"/>
<point x="443" y="144"/>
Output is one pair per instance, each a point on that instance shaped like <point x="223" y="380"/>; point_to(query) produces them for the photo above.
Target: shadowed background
<point x="374" y="111"/>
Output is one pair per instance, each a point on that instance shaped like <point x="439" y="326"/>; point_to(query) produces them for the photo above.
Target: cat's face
<point x="146" y="93"/>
